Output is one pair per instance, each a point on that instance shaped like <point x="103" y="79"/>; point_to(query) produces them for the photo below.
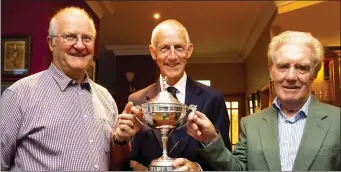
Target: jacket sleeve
<point x="220" y="158"/>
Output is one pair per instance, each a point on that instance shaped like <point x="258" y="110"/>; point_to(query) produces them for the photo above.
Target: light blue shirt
<point x="290" y="131"/>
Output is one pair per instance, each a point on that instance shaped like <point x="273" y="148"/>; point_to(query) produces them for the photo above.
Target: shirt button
<point x="85" y="116"/>
<point x="90" y="141"/>
<point x="96" y="167"/>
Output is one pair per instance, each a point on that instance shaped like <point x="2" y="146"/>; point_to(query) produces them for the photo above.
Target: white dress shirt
<point x="181" y="88"/>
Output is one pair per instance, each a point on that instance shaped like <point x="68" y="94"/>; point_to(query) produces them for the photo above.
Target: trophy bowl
<point x="164" y="113"/>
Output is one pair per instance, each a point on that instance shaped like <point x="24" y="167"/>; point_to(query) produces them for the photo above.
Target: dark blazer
<point x="146" y="145"/>
<point x="258" y="148"/>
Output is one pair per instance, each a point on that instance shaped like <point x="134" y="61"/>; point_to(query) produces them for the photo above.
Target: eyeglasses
<point x="298" y="68"/>
<point x="71" y="39"/>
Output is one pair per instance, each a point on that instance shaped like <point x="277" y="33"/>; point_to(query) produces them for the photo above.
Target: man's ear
<point x="271" y="75"/>
<point x="190" y="50"/>
<point x="316" y="72"/>
<point x="50" y="42"/>
<point x="152" y="52"/>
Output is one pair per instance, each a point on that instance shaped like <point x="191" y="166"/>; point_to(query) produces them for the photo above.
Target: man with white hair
<point x="59" y="119"/>
<point x="171" y="49"/>
<point x="296" y="133"/>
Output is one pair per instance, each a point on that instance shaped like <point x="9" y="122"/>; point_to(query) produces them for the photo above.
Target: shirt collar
<point x="64" y="81"/>
<point x="180" y="85"/>
<point x="303" y="110"/>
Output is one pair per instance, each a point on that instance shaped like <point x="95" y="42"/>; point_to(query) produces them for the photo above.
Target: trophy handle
<point x="140" y="108"/>
<point x="193" y="108"/>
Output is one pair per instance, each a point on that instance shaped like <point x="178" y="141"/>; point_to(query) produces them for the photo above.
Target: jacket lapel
<point x="315" y="131"/>
<point x="268" y="132"/>
<point x="193" y="96"/>
<point x="153" y="92"/>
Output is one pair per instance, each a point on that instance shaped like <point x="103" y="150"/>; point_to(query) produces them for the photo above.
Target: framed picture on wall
<point x="5" y="85"/>
<point x="92" y="70"/>
<point x="15" y="57"/>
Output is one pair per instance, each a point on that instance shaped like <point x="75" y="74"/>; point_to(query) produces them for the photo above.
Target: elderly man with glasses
<point x="59" y="119"/>
<point x="296" y="133"/>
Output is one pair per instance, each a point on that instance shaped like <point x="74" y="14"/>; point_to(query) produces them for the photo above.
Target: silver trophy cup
<point x="164" y="113"/>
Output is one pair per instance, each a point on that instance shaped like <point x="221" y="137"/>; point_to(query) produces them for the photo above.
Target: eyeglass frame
<point x="64" y="36"/>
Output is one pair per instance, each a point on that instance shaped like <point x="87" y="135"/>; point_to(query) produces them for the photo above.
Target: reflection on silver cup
<point x="164" y="113"/>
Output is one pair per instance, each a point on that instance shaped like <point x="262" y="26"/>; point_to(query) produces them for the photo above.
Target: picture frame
<point x="5" y="85"/>
<point x="91" y="70"/>
<point x="15" y="56"/>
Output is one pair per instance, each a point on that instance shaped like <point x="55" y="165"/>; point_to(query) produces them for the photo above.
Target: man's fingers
<point x="126" y="116"/>
<point x="126" y="130"/>
<point x="200" y="115"/>
<point x="121" y="133"/>
<point x="130" y="112"/>
<point x="127" y="122"/>
<point x="198" y="133"/>
<point x="136" y="166"/>
<point x="191" y="133"/>
<point x="183" y="168"/>
<point x="137" y="112"/>
<point x="128" y="107"/>
<point x="193" y="126"/>
<point x="127" y="125"/>
<point x="193" y="130"/>
<point x="195" y="134"/>
<point x="179" y="162"/>
<point x="199" y="122"/>
<point x="190" y="117"/>
<point x="197" y="118"/>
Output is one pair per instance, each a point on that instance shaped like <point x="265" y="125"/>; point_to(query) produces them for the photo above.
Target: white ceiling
<point x="221" y="31"/>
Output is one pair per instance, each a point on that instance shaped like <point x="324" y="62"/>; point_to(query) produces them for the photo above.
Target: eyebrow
<point x="297" y="63"/>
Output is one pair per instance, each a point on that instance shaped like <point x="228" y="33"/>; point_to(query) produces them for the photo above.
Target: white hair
<point x="53" y="27"/>
<point x="301" y="38"/>
<point x="169" y="22"/>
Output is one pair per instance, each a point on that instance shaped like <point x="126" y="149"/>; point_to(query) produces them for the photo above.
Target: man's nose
<point x="79" y="44"/>
<point x="172" y="53"/>
<point x="292" y="74"/>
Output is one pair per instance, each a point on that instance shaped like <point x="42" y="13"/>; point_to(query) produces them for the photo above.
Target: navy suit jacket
<point x="146" y="145"/>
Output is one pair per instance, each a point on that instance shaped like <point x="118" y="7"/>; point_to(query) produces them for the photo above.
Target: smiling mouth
<point x="78" y="55"/>
<point x="172" y="65"/>
<point x="291" y="88"/>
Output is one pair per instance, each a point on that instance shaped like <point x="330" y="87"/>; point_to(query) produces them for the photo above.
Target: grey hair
<point x="53" y="27"/>
<point x="302" y="38"/>
<point x="169" y="22"/>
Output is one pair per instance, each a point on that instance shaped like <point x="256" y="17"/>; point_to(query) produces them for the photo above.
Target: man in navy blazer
<point x="171" y="48"/>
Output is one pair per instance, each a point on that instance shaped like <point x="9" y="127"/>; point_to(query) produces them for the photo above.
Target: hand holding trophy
<point x="164" y="113"/>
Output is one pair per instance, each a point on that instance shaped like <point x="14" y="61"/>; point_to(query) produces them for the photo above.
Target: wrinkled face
<point x="171" y="52"/>
<point x="292" y="73"/>
<point x="72" y="58"/>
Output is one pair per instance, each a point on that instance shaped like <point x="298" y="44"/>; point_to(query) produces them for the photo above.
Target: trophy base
<point x="161" y="164"/>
